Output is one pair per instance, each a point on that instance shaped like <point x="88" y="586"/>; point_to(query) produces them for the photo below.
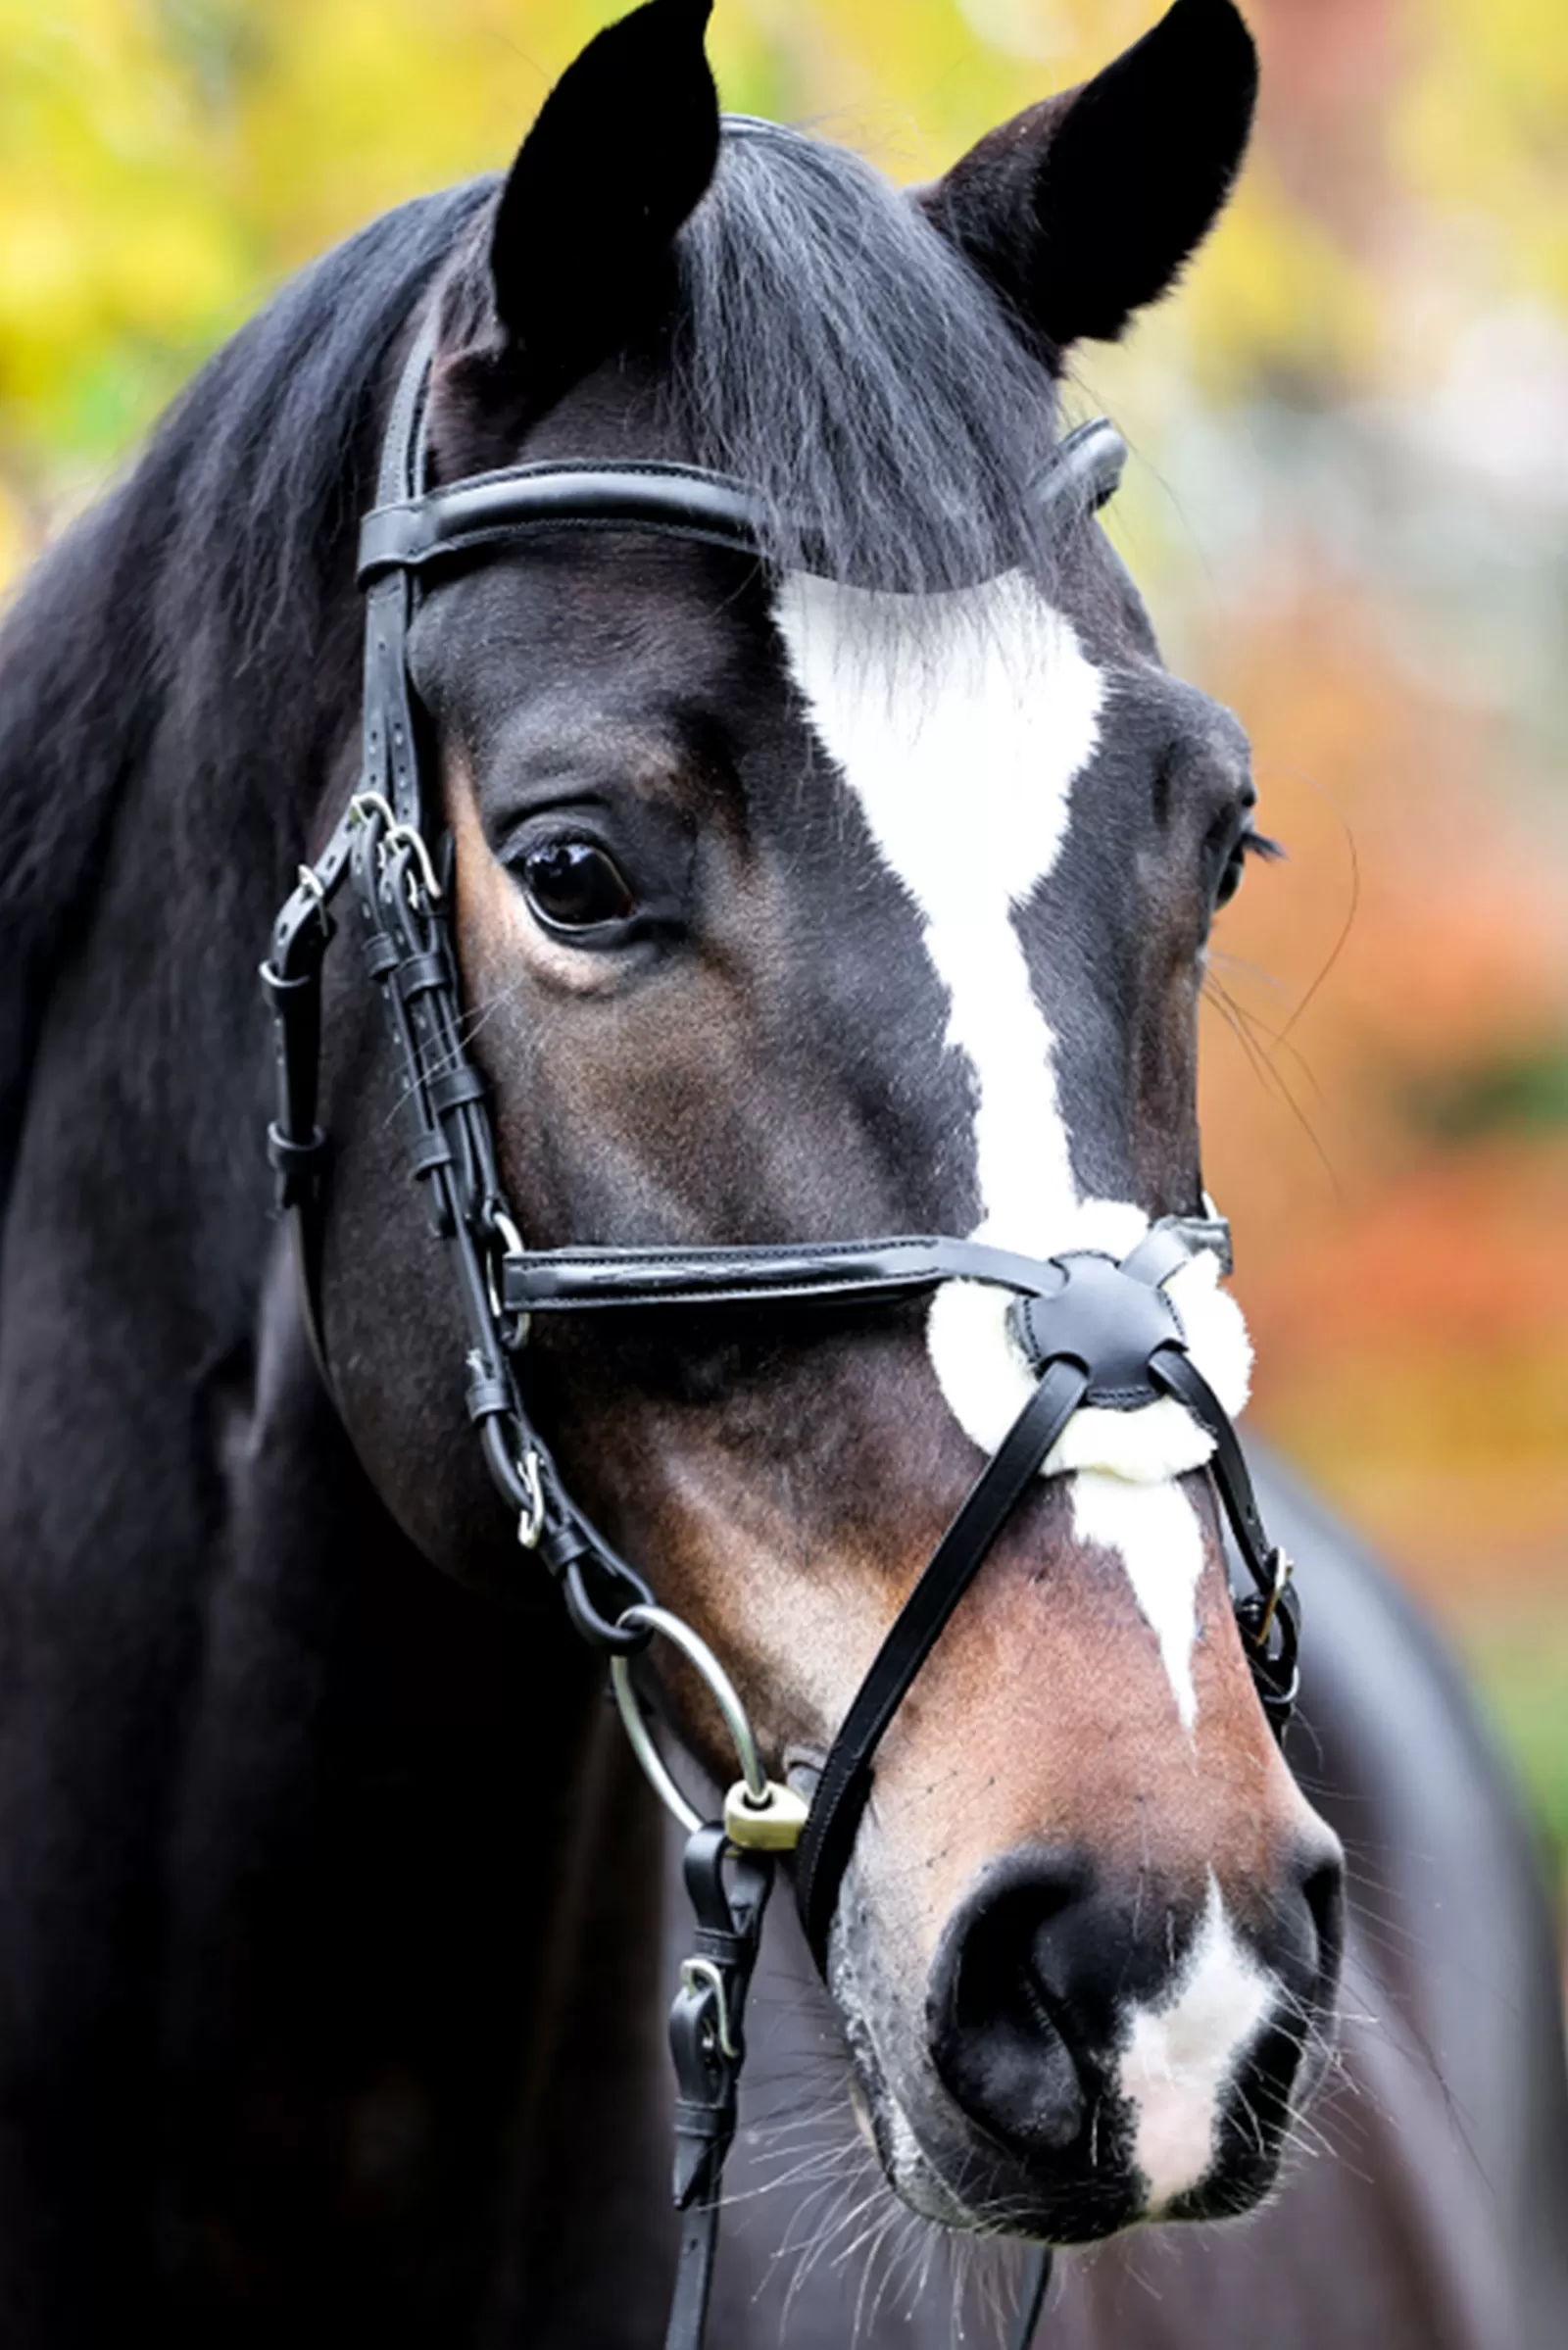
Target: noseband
<point x="1094" y="1332"/>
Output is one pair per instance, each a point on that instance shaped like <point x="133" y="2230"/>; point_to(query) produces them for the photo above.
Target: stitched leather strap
<point x="1270" y="1618"/>
<point x="581" y="1280"/>
<point x="409" y="532"/>
<point x="577" y="1280"/>
<point x="1179" y="1376"/>
<point x="846" y="1781"/>
<point x="493" y="510"/>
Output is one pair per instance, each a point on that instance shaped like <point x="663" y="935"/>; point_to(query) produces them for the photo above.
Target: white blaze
<point x="961" y="722"/>
<point x="1156" y="1529"/>
<point x="1179" y="2058"/>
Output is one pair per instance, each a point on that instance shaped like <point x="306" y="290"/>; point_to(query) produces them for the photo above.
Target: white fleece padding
<point x="987" y="1379"/>
<point x="960" y="723"/>
<point x="1179" y="2057"/>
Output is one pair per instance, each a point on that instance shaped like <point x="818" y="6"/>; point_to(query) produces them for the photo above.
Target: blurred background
<point x="1348" y="510"/>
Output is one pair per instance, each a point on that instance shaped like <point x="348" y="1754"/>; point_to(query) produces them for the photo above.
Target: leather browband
<point x="489" y="511"/>
<point x="1085" y="470"/>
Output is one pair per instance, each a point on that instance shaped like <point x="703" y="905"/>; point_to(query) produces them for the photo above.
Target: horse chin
<point x="971" y="2188"/>
<point x="970" y="2192"/>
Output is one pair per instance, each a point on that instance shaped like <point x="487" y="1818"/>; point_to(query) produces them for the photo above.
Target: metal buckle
<point x="501" y="1228"/>
<point x="531" y="1522"/>
<point x="397" y="835"/>
<point x="1284" y="1570"/>
<point x="701" y="1974"/>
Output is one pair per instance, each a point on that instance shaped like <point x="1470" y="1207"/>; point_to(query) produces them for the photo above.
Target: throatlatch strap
<point x="846" y="1781"/>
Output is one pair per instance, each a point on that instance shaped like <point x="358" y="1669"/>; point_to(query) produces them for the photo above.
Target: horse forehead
<point x="961" y="722"/>
<point x="625" y="622"/>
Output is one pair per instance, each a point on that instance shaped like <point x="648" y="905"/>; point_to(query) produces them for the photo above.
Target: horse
<point x="852" y="873"/>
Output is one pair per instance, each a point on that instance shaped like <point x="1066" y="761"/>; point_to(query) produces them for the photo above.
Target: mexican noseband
<point x="1094" y="1332"/>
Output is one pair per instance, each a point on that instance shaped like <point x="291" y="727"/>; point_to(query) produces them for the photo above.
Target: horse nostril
<point x="1322" y="1886"/>
<point x="1004" y="2035"/>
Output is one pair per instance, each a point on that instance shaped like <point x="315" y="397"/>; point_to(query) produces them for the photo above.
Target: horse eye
<point x="1231" y="879"/>
<point x="575" y="886"/>
<point x="1251" y="844"/>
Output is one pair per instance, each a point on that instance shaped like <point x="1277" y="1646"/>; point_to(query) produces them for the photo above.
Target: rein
<point x="1096" y="1332"/>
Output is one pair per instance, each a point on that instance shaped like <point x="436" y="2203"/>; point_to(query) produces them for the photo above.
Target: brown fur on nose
<point x="1045" y="1718"/>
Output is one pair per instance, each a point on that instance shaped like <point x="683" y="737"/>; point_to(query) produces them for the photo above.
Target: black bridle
<point x="1097" y="1331"/>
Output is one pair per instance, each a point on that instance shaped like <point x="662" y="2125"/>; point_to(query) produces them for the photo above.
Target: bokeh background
<point x="1349" y="507"/>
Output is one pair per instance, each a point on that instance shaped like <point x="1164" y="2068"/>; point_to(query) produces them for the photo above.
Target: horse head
<point x="867" y="889"/>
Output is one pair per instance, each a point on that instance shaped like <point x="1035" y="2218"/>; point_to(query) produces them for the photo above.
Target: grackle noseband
<point x="1097" y="1331"/>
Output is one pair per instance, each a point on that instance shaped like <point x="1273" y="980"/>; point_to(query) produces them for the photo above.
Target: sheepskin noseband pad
<point x="1104" y="1319"/>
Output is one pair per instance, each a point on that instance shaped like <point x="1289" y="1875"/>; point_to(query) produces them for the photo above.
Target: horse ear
<point x="621" y="153"/>
<point x="1085" y="207"/>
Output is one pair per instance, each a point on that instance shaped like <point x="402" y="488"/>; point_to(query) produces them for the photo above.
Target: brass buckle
<point x="1284" y="1570"/>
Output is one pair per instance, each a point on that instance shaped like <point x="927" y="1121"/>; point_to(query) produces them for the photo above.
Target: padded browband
<point x="490" y="509"/>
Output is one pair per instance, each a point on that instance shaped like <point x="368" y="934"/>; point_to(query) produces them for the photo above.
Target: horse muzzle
<point x="1100" y="2054"/>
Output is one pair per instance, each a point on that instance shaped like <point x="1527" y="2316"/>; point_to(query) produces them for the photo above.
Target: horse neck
<point x="504" y="1856"/>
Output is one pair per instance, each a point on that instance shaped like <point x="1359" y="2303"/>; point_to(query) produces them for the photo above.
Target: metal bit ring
<point x="722" y="1692"/>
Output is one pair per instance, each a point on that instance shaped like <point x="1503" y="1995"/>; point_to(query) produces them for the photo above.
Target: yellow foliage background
<point x="1349" y="507"/>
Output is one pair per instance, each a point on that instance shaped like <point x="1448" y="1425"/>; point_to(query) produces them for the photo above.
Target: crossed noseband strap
<point x="1094" y="1332"/>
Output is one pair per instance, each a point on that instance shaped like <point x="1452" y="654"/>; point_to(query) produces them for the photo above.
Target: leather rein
<point x="1095" y="1331"/>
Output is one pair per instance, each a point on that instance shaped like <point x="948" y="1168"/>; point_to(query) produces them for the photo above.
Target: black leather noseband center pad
<point x="1105" y="1320"/>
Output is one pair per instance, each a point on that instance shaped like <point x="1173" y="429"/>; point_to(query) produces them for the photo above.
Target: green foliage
<point x="1522" y="1675"/>
<point x="1523" y="1093"/>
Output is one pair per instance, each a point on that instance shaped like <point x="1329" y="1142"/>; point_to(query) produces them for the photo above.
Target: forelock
<point x="835" y="353"/>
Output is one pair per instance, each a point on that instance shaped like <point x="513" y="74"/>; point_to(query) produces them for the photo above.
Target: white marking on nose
<point x="962" y="723"/>
<point x="1180" y="2057"/>
<point x="1156" y="1529"/>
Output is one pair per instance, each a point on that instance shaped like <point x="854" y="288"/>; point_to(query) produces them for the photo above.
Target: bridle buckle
<point x="1283" y="1567"/>
<point x="700" y="1975"/>
<point x="531" y="1519"/>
